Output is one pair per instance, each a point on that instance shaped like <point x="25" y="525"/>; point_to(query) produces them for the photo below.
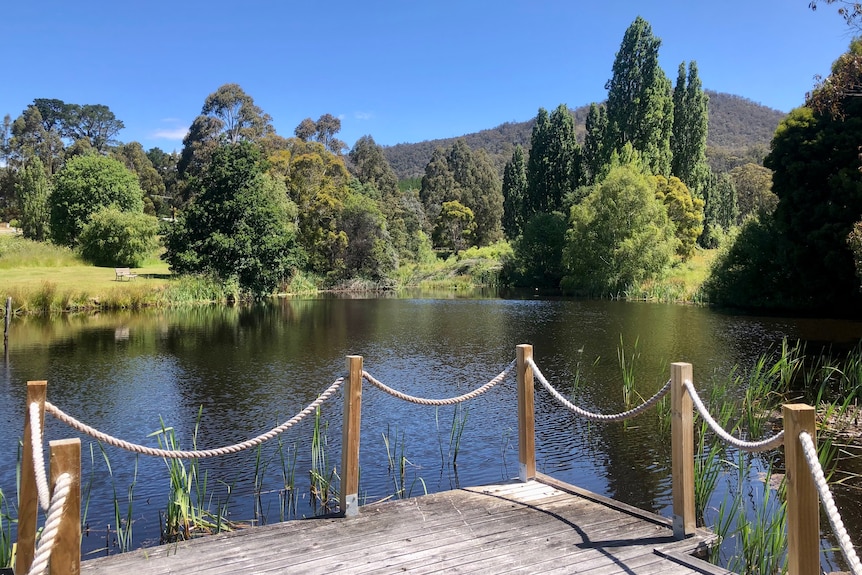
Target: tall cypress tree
<point x="514" y="191"/>
<point x="554" y="167"/>
<point x="595" y="154"/>
<point x="640" y="106"/>
<point x="690" y="124"/>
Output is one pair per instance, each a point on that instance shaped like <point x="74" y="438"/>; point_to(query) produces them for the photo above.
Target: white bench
<point x="124" y="273"/>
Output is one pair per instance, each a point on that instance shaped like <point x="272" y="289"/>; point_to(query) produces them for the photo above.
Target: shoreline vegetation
<point x="43" y="279"/>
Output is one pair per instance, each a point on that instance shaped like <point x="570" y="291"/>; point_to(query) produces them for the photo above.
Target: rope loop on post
<point x="36" y="441"/>
<point x="439" y="402"/>
<point x="828" y="502"/>
<point x="195" y="454"/>
<point x="631" y="413"/>
<point x="52" y="525"/>
<point x="748" y="446"/>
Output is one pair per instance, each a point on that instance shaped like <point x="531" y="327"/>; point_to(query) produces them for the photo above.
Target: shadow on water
<point x="250" y="368"/>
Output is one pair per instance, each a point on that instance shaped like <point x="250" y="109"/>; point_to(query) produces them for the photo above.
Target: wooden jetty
<point x="534" y="525"/>
<point x="541" y="526"/>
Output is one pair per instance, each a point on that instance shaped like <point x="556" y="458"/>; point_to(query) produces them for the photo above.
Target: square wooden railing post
<point x="66" y="553"/>
<point x="349" y="497"/>
<point x="803" y="507"/>
<point x="526" y="415"/>
<point x="682" y="451"/>
<point x="28" y="498"/>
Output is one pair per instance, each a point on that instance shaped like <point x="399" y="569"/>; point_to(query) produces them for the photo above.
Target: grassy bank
<point x="43" y="278"/>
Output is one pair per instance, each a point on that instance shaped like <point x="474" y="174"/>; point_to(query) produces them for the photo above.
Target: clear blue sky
<point x="399" y="70"/>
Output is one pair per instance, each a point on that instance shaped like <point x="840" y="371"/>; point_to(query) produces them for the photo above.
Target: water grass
<point x="7" y="525"/>
<point x="323" y="489"/>
<point x="398" y="465"/>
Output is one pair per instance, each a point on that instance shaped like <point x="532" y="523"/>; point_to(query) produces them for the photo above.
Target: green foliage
<point x="720" y="211"/>
<point x="620" y="235"/>
<point x="640" y="107"/>
<point x="33" y="191"/>
<point x="119" y="239"/>
<point x="538" y="260"/>
<point x="596" y="156"/>
<point x="554" y="165"/>
<point x="85" y="185"/>
<point x="454" y="226"/>
<point x="457" y="174"/>
<point x="690" y="124"/>
<point x="239" y="226"/>
<point x="684" y="211"/>
<point x="753" y="184"/>
<point x="799" y="257"/>
<point x="514" y="194"/>
<point x="369" y="253"/>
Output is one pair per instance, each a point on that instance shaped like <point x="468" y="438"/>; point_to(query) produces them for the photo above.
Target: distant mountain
<point x="740" y="130"/>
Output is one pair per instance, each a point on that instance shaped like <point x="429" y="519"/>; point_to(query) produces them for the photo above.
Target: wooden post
<point x="7" y="321"/>
<point x="28" y="497"/>
<point x="66" y="554"/>
<point x="526" y="415"/>
<point x="803" y="508"/>
<point x="349" y="497"/>
<point x="682" y="451"/>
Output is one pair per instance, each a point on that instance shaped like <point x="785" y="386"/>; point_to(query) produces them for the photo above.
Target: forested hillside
<point x="739" y="131"/>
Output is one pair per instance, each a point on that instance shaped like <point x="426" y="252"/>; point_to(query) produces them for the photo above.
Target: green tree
<point x="31" y="139"/>
<point x="457" y="174"/>
<point x="228" y="115"/>
<point x="114" y="238"/>
<point x="369" y="252"/>
<point x="684" y="211"/>
<point x="640" y="106"/>
<point x="596" y="156"/>
<point x="323" y="131"/>
<point x="455" y="225"/>
<point x="720" y="211"/>
<point x="239" y="226"/>
<point x="815" y="174"/>
<point x="538" y="260"/>
<point x="619" y="236"/>
<point x="553" y="168"/>
<point x="514" y="194"/>
<point x="136" y="160"/>
<point x="753" y="184"/>
<point x="94" y="123"/>
<point x="33" y="190"/>
<point x="85" y="185"/>
<point x="690" y="125"/>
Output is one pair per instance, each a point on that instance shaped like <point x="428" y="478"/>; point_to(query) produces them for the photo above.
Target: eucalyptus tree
<point x="228" y="115"/>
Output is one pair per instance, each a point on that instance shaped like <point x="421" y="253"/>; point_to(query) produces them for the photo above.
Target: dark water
<point x="252" y="368"/>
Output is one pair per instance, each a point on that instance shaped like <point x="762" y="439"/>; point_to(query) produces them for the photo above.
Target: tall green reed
<point x="123" y="521"/>
<point x="398" y="465"/>
<point x="7" y="520"/>
<point x="324" y="493"/>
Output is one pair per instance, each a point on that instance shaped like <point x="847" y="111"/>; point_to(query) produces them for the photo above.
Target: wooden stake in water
<point x="8" y="321"/>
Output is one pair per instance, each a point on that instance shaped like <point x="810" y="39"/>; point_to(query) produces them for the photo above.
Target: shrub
<point x="115" y="238"/>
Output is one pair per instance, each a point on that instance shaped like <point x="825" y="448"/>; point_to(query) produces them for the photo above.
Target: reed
<point x="398" y="465"/>
<point x="188" y="513"/>
<point x="7" y="523"/>
<point x="123" y="521"/>
<point x="324" y="494"/>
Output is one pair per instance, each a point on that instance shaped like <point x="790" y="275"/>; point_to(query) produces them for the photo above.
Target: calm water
<point x="252" y="368"/>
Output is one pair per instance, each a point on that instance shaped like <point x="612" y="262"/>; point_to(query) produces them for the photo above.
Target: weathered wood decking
<point x="535" y="527"/>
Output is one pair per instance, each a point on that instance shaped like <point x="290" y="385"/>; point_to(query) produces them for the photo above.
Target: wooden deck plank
<point x="507" y="528"/>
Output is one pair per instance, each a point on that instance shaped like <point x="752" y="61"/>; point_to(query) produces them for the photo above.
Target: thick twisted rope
<point x="844" y="542"/>
<point x="38" y="456"/>
<point x="438" y="402"/>
<point x="52" y="525"/>
<point x="197" y="454"/>
<point x="597" y="416"/>
<point x="748" y="446"/>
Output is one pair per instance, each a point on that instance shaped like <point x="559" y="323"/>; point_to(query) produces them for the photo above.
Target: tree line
<point x="591" y="213"/>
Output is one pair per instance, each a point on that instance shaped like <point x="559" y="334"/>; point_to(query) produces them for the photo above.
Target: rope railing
<point x="191" y="454"/>
<point x="439" y="402"/>
<point x="747" y="446"/>
<point x="828" y="503"/>
<point x="37" y="441"/>
<point x="42" y="557"/>
<point x="607" y="418"/>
